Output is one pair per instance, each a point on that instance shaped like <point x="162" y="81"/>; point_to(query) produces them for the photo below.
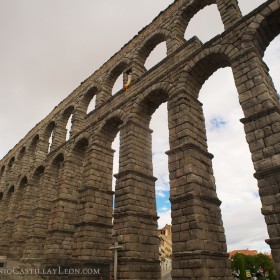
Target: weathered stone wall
<point x="56" y="202"/>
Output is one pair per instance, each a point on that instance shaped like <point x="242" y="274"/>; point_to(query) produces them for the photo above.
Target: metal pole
<point x="115" y="248"/>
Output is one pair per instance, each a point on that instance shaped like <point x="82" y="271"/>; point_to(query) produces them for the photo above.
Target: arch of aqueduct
<point x="56" y="206"/>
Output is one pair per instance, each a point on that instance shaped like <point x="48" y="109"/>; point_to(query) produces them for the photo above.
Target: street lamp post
<point x="116" y="247"/>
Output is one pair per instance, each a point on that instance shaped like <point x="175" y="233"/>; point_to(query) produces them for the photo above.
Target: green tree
<point x="266" y="264"/>
<point x="251" y="264"/>
<point x="238" y="264"/>
<point x="241" y="262"/>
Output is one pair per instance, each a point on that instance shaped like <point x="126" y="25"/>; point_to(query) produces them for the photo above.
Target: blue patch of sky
<point x="162" y="194"/>
<point x="163" y="203"/>
<point x="216" y="123"/>
<point x="256" y="194"/>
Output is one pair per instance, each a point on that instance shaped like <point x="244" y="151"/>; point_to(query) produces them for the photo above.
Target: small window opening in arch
<point x="58" y="160"/>
<point x="89" y="99"/>
<point x="116" y="147"/>
<point x="57" y="165"/>
<point x="2" y="170"/>
<point x="247" y="6"/>
<point x="34" y="143"/>
<point x="23" y="182"/>
<point x="81" y="146"/>
<point x="11" y="190"/>
<point x="50" y="142"/>
<point x="92" y="104"/>
<point x="1" y="196"/>
<point x="111" y="140"/>
<point x="67" y="121"/>
<point x="39" y="171"/>
<point x="22" y="153"/>
<point x="11" y="162"/>
<point x="118" y="85"/>
<point x="156" y="55"/>
<point x="206" y="24"/>
<point x="68" y="127"/>
<point x="127" y="79"/>
<point x="49" y="132"/>
<point x="271" y="53"/>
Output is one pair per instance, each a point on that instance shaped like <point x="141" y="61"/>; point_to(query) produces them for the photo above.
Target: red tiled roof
<point x="244" y="252"/>
<point x="248" y="253"/>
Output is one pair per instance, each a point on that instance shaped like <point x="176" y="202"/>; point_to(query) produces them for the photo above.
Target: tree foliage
<point x="259" y="265"/>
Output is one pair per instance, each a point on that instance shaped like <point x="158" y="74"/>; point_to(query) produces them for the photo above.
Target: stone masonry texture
<point x="56" y="201"/>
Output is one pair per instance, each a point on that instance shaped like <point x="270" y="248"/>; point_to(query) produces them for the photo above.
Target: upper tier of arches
<point x="257" y="29"/>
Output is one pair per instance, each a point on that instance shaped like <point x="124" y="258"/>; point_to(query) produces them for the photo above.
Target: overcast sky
<point x="49" y="47"/>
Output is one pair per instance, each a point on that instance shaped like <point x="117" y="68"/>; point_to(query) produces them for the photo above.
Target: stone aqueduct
<point x="56" y="205"/>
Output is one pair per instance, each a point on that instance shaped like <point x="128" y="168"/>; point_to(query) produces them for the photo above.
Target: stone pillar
<point x="2" y="207"/>
<point x="138" y="69"/>
<point x="176" y="41"/>
<point x="261" y="108"/>
<point x="59" y="135"/>
<point x="3" y="176"/>
<point x="47" y="193"/>
<point x="135" y="217"/>
<point x="199" y="244"/>
<point x="103" y="95"/>
<point x="93" y="228"/>
<point x="3" y="215"/>
<point x="40" y="152"/>
<point x="8" y="223"/>
<point x="230" y="12"/>
<point x="23" y="218"/>
<point x="28" y="160"/>
<point x="3" y="202"/>
<point x="78" y="119"/>
<point x="10" y="175"/>
<point x="60" y="237"/>
<point x="25" y="164"/>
